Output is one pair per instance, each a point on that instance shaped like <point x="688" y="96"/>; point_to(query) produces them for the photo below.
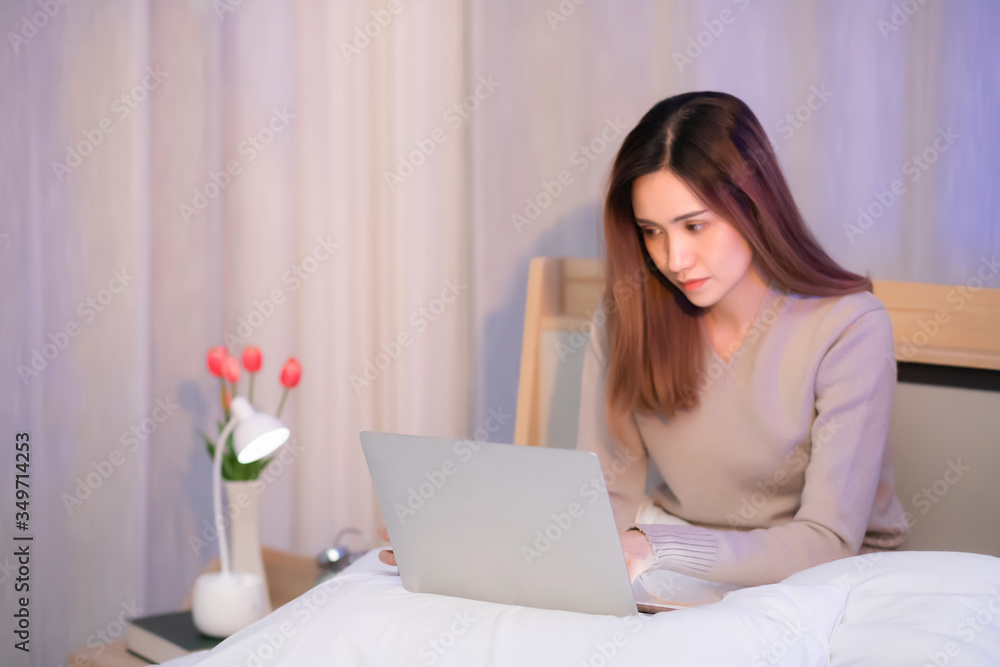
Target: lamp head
<point x="257" y="434"/>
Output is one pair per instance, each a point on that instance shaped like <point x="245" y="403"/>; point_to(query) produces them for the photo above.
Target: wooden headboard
<point x="944" y="437"/>
<point x="946" y="325"/>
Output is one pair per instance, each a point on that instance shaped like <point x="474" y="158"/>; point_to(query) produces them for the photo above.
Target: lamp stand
<point x="225" y="602"/>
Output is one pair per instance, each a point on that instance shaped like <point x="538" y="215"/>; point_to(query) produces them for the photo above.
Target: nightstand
<point x="288" y="576"/>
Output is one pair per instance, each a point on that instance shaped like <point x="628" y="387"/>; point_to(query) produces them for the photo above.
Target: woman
<point x="756" y="373"/>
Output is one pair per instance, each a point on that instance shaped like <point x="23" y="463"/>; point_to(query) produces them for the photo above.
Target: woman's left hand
<point x="638" y="553"/>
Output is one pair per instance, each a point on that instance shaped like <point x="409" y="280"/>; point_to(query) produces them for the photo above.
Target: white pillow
<point x="364" y="617"/>
<point x="934" y="608"/>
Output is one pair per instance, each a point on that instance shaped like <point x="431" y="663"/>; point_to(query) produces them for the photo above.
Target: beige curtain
<point x="236" y="194"/>
<point x="361" y="185"/>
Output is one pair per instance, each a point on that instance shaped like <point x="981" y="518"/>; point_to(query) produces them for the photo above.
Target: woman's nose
<point x="679" y="256"/>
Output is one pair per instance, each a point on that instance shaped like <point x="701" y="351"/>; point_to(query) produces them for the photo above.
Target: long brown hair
<point x="714" y="144"/>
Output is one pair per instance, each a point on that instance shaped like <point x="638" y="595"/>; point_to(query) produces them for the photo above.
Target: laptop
<point x="528" y="526"/>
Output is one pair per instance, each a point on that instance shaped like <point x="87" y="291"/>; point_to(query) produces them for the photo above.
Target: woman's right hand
<point x="638" y="552"/>
<point x="386" y="555"/>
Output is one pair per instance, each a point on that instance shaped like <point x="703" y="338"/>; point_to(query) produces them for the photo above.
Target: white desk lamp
<point x="225" y="602"/>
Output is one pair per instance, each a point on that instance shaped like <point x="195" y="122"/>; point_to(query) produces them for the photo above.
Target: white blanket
<point x="898" y="608"/>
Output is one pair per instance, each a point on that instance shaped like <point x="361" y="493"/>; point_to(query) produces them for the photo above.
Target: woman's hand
<point x="638" y="553"/>
<point x="386" y="555"/>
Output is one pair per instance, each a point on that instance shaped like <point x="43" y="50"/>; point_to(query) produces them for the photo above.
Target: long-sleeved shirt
<point x="782" y="465"/>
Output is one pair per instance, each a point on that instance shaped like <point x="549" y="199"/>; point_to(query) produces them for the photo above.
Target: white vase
<point x="244" y="530"/>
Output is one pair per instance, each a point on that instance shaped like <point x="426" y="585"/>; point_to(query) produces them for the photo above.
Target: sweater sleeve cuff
<point x="689" y="550"/>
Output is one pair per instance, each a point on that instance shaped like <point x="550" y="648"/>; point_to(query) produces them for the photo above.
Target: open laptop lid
<point x="503" y="523"/>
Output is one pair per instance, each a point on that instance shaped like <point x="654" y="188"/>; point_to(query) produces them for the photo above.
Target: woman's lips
<point x="694" y="284"/>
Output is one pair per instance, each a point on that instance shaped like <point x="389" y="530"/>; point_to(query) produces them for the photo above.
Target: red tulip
<point x="252" y="359"/>
<point x="215" y="357"/>
<point x="291" y="373"/>
<point x="231" y="369"/>
<point x="290" y="376"/>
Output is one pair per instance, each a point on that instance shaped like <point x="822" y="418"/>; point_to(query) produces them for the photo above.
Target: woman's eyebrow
<point x="677" y="219"/>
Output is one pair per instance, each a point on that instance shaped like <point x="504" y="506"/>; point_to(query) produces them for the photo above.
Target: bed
<point x="892" y="608"/>
<point x="939" y="605"/>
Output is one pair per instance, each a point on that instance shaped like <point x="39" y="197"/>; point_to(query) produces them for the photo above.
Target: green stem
<point x="281" y="404"/>
<point x="222" y="393"/>
<point x="250" y="393"/>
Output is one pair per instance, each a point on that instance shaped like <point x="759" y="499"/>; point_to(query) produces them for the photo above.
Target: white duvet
<point x="898" y="608"/>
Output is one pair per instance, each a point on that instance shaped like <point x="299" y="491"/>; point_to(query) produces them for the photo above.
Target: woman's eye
<point x="650" y="231"/>
<point x="699" y="225"/>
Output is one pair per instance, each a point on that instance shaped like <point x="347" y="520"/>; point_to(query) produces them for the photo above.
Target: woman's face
<point x="688" y="242"/>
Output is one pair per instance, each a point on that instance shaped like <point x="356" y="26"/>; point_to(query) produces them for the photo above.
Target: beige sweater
<point x="781" y="467"/>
